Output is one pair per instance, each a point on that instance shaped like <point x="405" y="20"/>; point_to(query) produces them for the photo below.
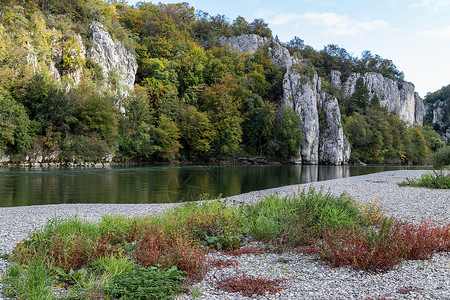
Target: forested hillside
<point x="194" y="99"/>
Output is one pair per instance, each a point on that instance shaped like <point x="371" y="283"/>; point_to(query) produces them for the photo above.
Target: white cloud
<point x="434" y="5"/>
<point x="333" y="24"/>
<point x="439" y="33"/>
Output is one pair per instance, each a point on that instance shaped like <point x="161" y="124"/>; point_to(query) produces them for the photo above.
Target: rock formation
<point x="397" y="96"/>
<point x="324" y="138"/>
<point x="438" y="114"/>
<point x="324" y="141"/>
<point x="112" y="57"/>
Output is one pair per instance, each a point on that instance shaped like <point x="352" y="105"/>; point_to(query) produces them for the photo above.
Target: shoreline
<point x="406" y="203"/>
<point x="308" y="277"/>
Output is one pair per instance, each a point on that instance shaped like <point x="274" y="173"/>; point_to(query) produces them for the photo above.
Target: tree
<point x="136" y="130"/>
<point x="222" y="102"/>
<point x="97" y="116"/>
<point x="258" y="124"/>
<point x="287" y="136"/>
<point x="196" y="131"/>
<point x="14" y="125"/>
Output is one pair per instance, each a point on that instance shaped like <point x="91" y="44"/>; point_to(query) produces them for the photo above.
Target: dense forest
<point x="194" y="99"/>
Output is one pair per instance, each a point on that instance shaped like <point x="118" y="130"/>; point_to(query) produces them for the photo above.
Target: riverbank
<point x="308" y="278"/>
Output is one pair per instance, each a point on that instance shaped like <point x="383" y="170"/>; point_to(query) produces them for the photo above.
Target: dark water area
<point x="157" y="184"/>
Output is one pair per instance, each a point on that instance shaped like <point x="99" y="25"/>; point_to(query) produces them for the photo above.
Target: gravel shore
<point x="308" y="278"/>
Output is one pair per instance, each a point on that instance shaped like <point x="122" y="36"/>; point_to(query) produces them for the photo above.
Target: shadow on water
<point x="22" y="187"/>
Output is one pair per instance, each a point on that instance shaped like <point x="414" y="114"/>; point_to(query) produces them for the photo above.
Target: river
<point x="156" y="184"/>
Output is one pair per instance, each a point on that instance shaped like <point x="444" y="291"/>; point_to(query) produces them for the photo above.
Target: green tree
<point x="258" y="124"/>
<point x="196" y="131"/>
<point x="222" y="102"/>
<point x="287" y="136"/>
<point x="14" y="125"/>
<point x="97" y="116"/>
<point x="167" y="137"/>
<point x="137" y="131"/>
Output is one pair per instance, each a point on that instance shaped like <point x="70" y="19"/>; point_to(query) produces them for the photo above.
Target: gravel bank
<point x="308" y="278"/>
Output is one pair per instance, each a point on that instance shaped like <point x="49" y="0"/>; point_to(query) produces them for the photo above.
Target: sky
<point x="414" y="34"/>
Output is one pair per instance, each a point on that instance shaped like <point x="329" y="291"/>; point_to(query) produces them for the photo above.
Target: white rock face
<point x="397" y="96"/>
<point x="323" y="143"/>
<point x="437" y="114"/>
<point x="334" y="148"/>
<point x="112" y="56"/>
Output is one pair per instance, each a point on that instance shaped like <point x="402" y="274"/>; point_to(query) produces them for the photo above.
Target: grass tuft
<point x="435" y="180"/>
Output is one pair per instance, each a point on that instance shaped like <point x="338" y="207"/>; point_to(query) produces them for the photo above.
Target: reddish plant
<point x="155" y="247"/>
<point x="383" y="246"/>
<point x="250" y="285"/>
<point x="425" y="239"/>
<point x="251" y="248"/>
<point x="406" y="290"/>
<point x="221" y="263"/>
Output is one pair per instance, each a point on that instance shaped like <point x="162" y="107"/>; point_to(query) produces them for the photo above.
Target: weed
<point x="250" y="285"/>
<point x="384" y="245"/>
<point x="142" y="283"/>
<point x="295" y="221"/>
<point x="223" y="263"/>
<point x="31" y="282"/>
<point x="118" y="229"/>
<point x="212" y="223"/>
<point x="113" y="265"/>
<point x="251" y="248"/>
<point x="435" y="180"/>
<point x="156" y="247"/>
<point x="71" y="277"/>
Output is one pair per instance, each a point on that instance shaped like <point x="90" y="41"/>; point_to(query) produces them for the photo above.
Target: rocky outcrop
<point x="398" y="97"/>
<point x="324" y="140"/>
<point x="438" y="115"/>
<point x="334" y="148"/>
<point x="112" y="57"/>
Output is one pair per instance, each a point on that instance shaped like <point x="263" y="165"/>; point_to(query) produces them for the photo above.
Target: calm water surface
<point x="162" y="184"/>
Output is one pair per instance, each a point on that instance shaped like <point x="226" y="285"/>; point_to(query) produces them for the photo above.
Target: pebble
<point x="307" y="277"/>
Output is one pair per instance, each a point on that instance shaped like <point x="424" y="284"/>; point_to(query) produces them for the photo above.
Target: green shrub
<point x="441" y="158"/>
<point x="118" y="229"/>
<point x="142" y="283"/>
<point x="113" y="265"/>
<point x="266" y="218"/>
<point x="298" y="219"/>
<point x="211" y="223"/>
<point x="435" y="180"/>
<point x="28" y="282"/>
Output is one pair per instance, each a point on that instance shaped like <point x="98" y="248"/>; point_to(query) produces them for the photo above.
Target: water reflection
<point x="21" y="187"/>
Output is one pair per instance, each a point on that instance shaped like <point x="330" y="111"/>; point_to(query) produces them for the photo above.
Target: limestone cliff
<point x="324" y="139"/>
<point x="113" y="58"/>
<point x="438" y="111"/>
<point x="398" y="97"/>
<point x="118" y="65"/>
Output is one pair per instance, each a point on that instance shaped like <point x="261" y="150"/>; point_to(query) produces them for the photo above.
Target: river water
<point x="157" y="184"/>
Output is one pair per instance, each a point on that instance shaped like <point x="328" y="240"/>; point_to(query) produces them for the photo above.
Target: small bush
<point x="365" y="248"/>
<point x="211" y="223"/>
<point x="435" y="180"/>
<point x="250" y="285"/>
<point x="142" y="283"/>
<point x="118" y="229"/>
<point x="155" y="247"/>
<point x="31" y="282"/>
<point x="384" y="245"/>
<point x="296" y="220"/>
<point x="441" y="157"/>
